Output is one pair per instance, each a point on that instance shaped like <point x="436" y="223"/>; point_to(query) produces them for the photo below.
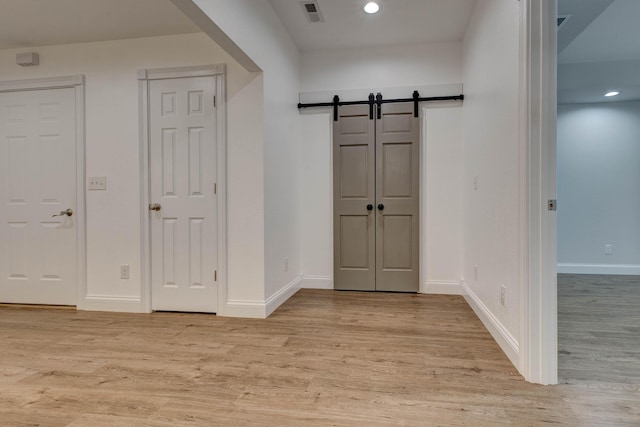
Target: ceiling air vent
<point x="562" y="19"/>
<point x="312" y="11"/>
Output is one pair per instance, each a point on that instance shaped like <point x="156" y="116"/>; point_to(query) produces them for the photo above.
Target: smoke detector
<point x="312" y="11"/>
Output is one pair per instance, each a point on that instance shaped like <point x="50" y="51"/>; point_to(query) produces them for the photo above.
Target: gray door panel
<point x="397" y="188"/>
<point x="353" y="190"/>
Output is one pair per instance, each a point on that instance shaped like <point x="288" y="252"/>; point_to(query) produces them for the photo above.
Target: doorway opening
<point x="599" y="193"/>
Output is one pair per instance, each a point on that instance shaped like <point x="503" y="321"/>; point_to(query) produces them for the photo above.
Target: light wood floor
<point x="599" y="330"/>
<point x="324" y="358"/>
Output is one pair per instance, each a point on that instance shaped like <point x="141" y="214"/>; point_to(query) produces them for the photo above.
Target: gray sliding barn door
<point x="376" y="199"/>
<point x="353" y="189"/>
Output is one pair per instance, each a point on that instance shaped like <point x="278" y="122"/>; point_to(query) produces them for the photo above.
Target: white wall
<point x="599" y="187"/>
<point x="255" y="28"/>
<point x="382" y="67"/>
<point x="112" y="150"/>
<point x="245" y="194"/>
<point x="316" y="200"/>
<point x="391" y="70"/>
<point x="441" y="207"/>
<point x="491" y="141"/>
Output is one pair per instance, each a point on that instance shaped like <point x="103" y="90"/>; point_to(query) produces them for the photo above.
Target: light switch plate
<point x="124" y="271"/>
<point x="97" y="183"/>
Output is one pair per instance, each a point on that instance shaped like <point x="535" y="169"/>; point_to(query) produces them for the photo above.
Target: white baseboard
<point x="442" y="287"/>
<point x="262" y="309"/>
<point x="505" y="340"/>
<point x="622" y="269"/>
<point x="280" y="297"/>
<point x="317" y="282"/>
<point x="124" y="304"/>
<point x="243" y="308"/>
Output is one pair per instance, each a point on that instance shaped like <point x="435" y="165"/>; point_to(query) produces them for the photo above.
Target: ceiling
<point x="398" y="22"/>
<point x="613" y="35"/>
<point x="598" y="45"/>
<point x="599" y="50"/>
<point x="29" y="23"/>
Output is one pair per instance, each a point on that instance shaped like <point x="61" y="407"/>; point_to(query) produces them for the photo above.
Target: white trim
<point x="221" y="168"/>
<point x="144" y="76"/>
<point x="505" y="340"/>
<point x="280" y="297"/>
<point x="245" y="308"/>
<point x="145" y="233"/>
<point x="181" y="72"/>
<point x="125" y="304"/>
<point x="77" y="83"/>
<point x="43" y="83"/>
<point x="262" y="309"/>
<point x="422" y="204"/>
<point x="537" y="226"/>
<point x="523" y="193"/>
<point x="621" y="269"/>
<point x="316" y="282"/>
<point x="81" y="205"/>
<point x="442" y="287"/>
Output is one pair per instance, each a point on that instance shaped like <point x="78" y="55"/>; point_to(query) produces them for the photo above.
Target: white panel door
<point x="37" y="180"/>
<point x="182" y="179"/>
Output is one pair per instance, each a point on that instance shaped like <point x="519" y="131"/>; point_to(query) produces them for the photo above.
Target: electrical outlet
<point x="286" y="263"/>
<point x="503" y="296"/>
<point x="475" y="182"/>
<point x="97" y="183"/>
<point x="608" y="249"/>
<point x="124" y="271"/>
<point x="475" y="273"/>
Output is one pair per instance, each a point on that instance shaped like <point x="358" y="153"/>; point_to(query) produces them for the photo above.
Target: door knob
<point x="68" y="212"/>
<point x="381" y="206"/>
<point x="155" y="207"/>
<point x="369" y="207"/>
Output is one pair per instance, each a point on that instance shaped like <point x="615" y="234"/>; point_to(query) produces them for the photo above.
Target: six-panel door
<point x="182" y="179"/>
<point x="38" y="180"/>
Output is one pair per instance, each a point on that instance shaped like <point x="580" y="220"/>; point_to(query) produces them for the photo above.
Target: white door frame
<point x="76" y="83"/>
<point x="538" y="275"/>
<point x="144" y="77"/>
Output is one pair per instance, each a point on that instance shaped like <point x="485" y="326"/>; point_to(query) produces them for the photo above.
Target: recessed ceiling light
<point x="613" y="93"/>
<point x="371" y="7"/>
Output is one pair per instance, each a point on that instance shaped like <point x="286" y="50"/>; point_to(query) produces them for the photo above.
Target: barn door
<point x="376" y="199"/>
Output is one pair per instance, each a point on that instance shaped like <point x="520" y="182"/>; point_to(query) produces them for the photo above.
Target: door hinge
<point x="215" y="275"/>
<point x="214" y="101"/>
<point x="552" y="205"/>
<point x="215" y="188"/>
